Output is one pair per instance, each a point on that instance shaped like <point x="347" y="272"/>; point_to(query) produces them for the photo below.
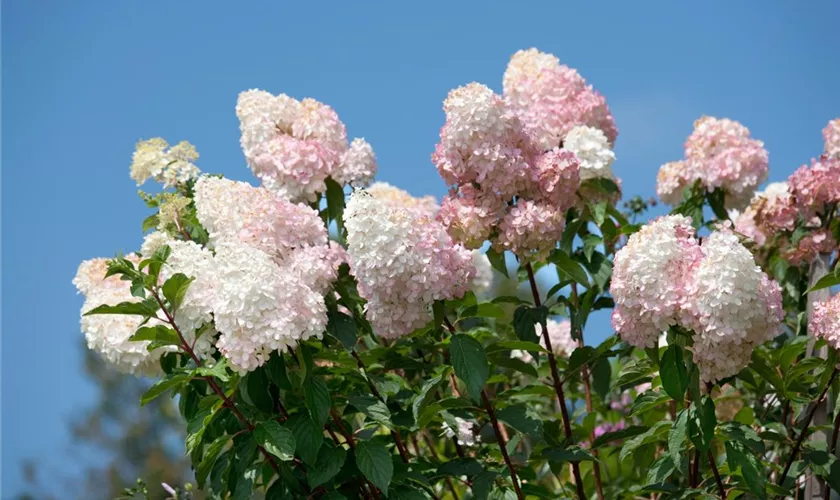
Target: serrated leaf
<point x="143" y="308"/>
<point x="673" y="373"/>
<point x="373" y="409"/>
<point x="318" y="401"/>
<point x="497" y="261"/>
<point x="218" y="370"/>
<point x="609" y="437"/>
<point x="330" y="461"/>
<point x="276" y="439"/>
<point x="661" y="469"/>
<point x="677" y="436"/>
<point x="426" y="396"/>
<point x="569" y="267"/>
<point x="374" y="461"/>
<point x="209" y="459"/>
<point x="308" y="437"/>
<point x="175" y="288"/>
<point x="343" y="328"/>
<point x="158" y="333"/>
<point x="470" y="363"/>
<point x="739" y="456"/>
<point x="601" y="373"/>
<point x="525" y="319"/>
<point x="522" y="419"/>
<point x="174" y="382"/>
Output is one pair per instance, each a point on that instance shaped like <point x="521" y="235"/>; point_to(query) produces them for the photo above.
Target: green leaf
<point x="256" y="390"/>
<point x="174" y="290"/>
<point x="150" y="222"/>
<point x="509" y="345"/>
<point x="677" y="436"/>
<point x="483" y="310"/>
<point x="335" y="199"/>
<point x="521" y="418"/>
<point x="609" y="437"/>
<point x="174" y="382"/>
<point x="146" y="307"/>
<point x="426" y="396"/>
<point x="569" y="267"/>
<point x="497" y="260"/>
<point x="209" y="459"/>
<point x="737" y="455"/>
<point x="318" y="401"/>
<point x="661" y="469"/>
<point x="673" y="373"/>
<point x="827" y="281"/>
<point x="218" y="370"/>
<point x="601" y="373"/>
<point x="702" y="422"/>
<point x="374" y="461"/>
<point x="602" y="184"/>
<point x="716" y="202"/>
<point x="525" y="319"/>
<point x="470" y="363"/>
<point x="461" y="467"/>
<point x="158" y="333"/>
<point x="652" y="435"/>
<point x="330" y="461"/>
<point x="343" y="327"/>
<point x="245" y="485"/>
<point x="276" y="439"/>
<point x="308" y="437"/>
<point x="569" y="454"/>
<point x="581" y="356"/>
<point x="824" y="465"/>
<point x="505" y="361"/>
<point x="372" y="408"/>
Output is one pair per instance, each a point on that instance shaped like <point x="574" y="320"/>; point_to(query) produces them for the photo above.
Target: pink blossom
<point x="831" y="134"/>
<point x="816" y="186"/>
<point x="530" y="230"/>
<point x="826" y="321"/>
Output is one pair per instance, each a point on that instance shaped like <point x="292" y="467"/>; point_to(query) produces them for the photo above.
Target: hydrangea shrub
<point x="334" y="338"/>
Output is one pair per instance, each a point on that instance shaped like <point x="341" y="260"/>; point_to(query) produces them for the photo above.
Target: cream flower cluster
<point x="502" y="183"/>
<point x="826" y="321"/>
<point x="721" y="154"/>
<point x="425" y="206"/>
<point x="108" y="334"/>
<point x="551" y="99"/>
<point x="293" y="146"/>
<point x="154" y="159"/>
<point x="403" y="263"/>
<point x="560" y="335"/>
<point x="665" y="277"/>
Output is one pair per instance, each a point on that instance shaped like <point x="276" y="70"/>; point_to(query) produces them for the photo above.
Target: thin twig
<point x="832" y="448"/>
<point x="713" y="465"/>
<point x="502" y="444"/>
<point x="804" y="432"/>
<point x="558" y="384"/>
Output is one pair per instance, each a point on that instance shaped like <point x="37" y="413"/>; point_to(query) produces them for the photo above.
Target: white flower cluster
<point x="463" y="434"/>
<point x="293" y="146"/>
<point x="665" y="277"/>
<point x="108" y="334"/>
<point x="593" y="151"/>
<point x="483" y="273"/>
<point x="169" y="166"/>
<point x="403" y="263"/>
<point x="560" y="335"/>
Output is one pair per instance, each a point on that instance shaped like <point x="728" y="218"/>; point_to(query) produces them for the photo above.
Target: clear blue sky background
<point x="82" y="81"/>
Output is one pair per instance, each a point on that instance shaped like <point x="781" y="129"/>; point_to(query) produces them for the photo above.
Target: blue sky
<point x="83" y="81"/>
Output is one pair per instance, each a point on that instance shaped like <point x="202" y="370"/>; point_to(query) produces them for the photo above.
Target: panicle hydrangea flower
<point x="468" y="222"/>
<point x="425" y="206"/>
<point x="551" y="99"/>
<point x="483" y="279"/>
<point x="671" y="180"/>
<point x="232" y="210"/>
<point x="775" y="208"/>
<point x="815" y="186"/>
<point x="558" y="178"/>
<point x="593" y="151"/>
<point x="358" y="165"/>
<point x="831" y="134"/>
<point x="810" y="247"/>
<point x="825" y="324"/>
<point x="170" y="166"/>
<point x="293" y="146"/>
<point x="731" y="306"/>
<point x="403" y="263"/>
<point x="172" y="208"/>
<point x="258" y="308"/>
<point x="649" y="278"/>
<point x="530" y="230"/>
<point x="721" y="154"/>
<point x="483" y="142"/>
<point x="318" y="265"/>
<point x="463" y="433"/>
<point x="108" y="334"/>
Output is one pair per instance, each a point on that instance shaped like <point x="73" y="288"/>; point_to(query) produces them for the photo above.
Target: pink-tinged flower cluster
<point x="403" y="263"/>
<point x="293" y="146"/>
<point x="551" y="98"/>
<point x="560" y="335"/>
<point x="825" y="323"/>
<point x="649" y="279"/>
<point x="272" y="267"/>
<point x="721" y="154"/>
<point x="769" y="212"/>
<point x="816" y="187"/>
<point x="665" y="277"/>
<point x="730" y="305"/>
<point x="831" y="134"/>
<point x="108" y="334"/>
<point x="814" y="243"/>
<point x="503" y="185"/>
<point x="425" y="206"/>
